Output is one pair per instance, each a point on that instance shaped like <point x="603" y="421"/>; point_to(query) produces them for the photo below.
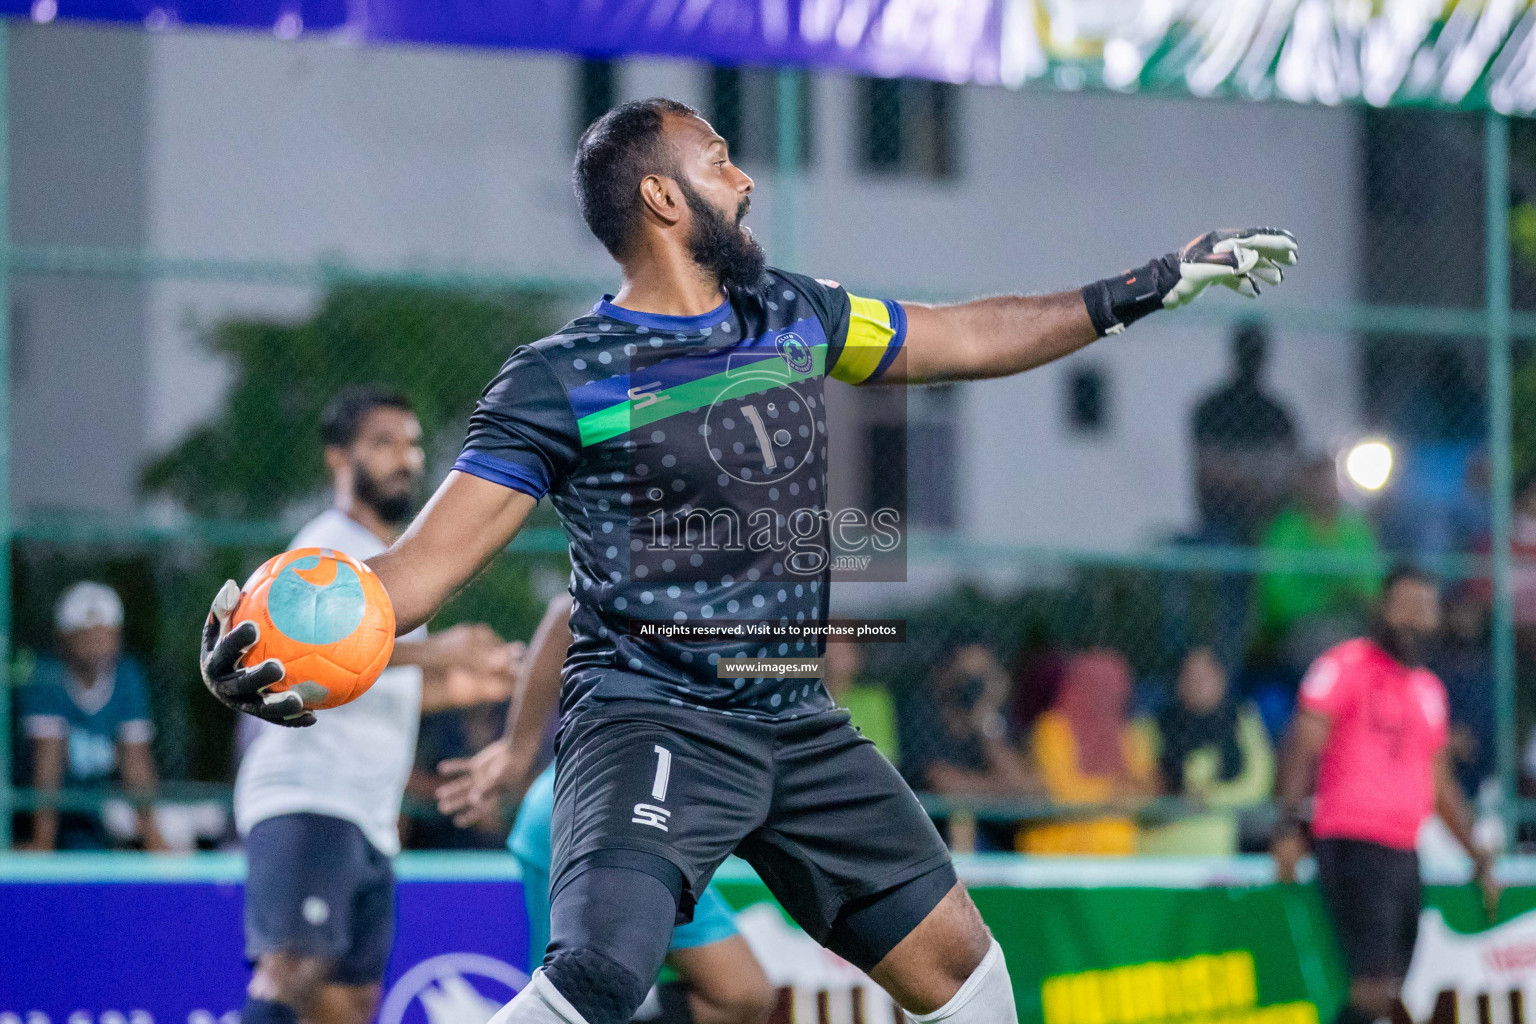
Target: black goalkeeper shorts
<point x="809" y="803"/>
<point x="1374" y="896"/>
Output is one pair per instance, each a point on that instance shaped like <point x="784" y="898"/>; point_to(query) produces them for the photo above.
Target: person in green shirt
<point x="1305" y="613"/>
<point x="869" y="706"/>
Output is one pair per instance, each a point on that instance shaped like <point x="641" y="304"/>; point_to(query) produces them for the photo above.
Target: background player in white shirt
<point x="319" y="808"/>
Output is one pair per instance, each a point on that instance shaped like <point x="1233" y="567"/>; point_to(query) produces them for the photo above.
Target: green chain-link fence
<point x="1269" y="547"/>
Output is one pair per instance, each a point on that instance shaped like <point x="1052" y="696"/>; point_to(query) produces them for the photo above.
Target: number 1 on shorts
<point x="663" y="774"/>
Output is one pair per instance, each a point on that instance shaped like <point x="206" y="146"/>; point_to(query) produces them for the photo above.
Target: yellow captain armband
<point x="876" y="330"/>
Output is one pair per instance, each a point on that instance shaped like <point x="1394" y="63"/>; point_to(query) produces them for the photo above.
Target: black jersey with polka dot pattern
<point x="686" y="457"/>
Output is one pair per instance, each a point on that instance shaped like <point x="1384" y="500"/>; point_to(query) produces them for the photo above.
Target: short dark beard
<point x="394" y="509"/>
<point x="1406" y="646"/>
<point x="722" y="248"/>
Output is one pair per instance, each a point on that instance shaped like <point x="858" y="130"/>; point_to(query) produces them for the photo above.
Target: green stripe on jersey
<point x="680" y="398"/>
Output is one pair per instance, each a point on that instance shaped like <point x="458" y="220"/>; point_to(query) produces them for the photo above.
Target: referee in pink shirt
<point x="1371" y="729"/>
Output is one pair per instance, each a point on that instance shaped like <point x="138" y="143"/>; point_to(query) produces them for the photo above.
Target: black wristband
<point x="1117" y="302"/>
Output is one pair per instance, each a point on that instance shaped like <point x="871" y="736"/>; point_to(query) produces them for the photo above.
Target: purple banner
<point x="1463" y="54"/>
<point x="952" y="40"/>
<point x="173" y="952"/>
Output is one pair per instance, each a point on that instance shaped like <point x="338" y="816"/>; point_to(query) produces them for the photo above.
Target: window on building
<point x="912" y="454"/>
<point x="744" y="108"/>
<point x="597" y="90"/>
<point x="908" y="127"/>
<point x="1088" y="400"/>
<point x="933" y="488"/>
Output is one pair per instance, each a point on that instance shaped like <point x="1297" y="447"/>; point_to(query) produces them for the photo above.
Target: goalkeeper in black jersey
<point x="679" y="429"/>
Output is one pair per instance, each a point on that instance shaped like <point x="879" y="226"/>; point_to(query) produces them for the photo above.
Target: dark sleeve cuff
<point x="1096" y="298"/>
<point x="531" y="480"/>
<point x="1117" y="302"/>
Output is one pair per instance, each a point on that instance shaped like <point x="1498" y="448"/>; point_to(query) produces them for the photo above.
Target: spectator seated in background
<point x="1305" y="613"/>
<point x="1522" y="549"/>
<point x="86" y="718"/>
<point x="1214" y="754"/>
<point x="1464" y="662"/>
<point x="1523" y="552"/>
<point x="1037" y="670"/>
<point x="955" y="742"/>
<point x="869" y="706"/>
<point x="1088" y="753"/>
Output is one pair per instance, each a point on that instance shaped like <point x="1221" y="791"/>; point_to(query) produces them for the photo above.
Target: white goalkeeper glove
<point x="1240" y="259"/>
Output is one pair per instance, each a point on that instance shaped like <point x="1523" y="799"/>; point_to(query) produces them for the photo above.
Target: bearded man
<point x="319" y="808"/>
<point x="1371" y="727"/>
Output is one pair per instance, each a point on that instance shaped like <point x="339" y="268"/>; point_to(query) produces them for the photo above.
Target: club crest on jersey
<point x="796" y="352"/>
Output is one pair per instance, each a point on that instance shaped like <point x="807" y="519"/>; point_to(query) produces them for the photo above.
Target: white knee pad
<point x="985" y="998"/>
<point x="538" y="1003"/>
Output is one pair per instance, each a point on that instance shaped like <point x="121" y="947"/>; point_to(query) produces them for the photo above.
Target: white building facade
<point x="244" y="147"/>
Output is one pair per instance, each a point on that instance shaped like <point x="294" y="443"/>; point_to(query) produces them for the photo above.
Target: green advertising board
<point x="1239" y="953"/>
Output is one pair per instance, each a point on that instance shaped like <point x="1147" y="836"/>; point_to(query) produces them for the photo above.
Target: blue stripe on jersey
<point x="661" y="321"/>
<point x="532" y="480"/>
<point x="899" y="326"/>
<point x="685" y="368"/>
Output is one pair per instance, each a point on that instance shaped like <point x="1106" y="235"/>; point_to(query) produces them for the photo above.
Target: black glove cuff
<point x="1117" y="302"/>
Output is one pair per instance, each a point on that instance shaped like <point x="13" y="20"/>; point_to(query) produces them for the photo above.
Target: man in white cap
<point x="86" y="718"/>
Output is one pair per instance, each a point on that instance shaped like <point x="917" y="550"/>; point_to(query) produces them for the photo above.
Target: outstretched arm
<point x="467" y="522"/>
<point x="991" y="337"/>
<point x="1012" y="333"/>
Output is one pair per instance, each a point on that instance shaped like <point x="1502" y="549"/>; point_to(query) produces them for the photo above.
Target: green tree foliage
<point x="260" y="455"/>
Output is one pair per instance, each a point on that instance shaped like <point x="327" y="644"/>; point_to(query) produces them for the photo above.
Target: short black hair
<point x="614" y="154"/>
<point x="1407" y="572"/>
<point x="345" y="413"/>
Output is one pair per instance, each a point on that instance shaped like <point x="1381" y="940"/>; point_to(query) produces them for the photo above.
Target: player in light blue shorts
<point x="529" y="842"/>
